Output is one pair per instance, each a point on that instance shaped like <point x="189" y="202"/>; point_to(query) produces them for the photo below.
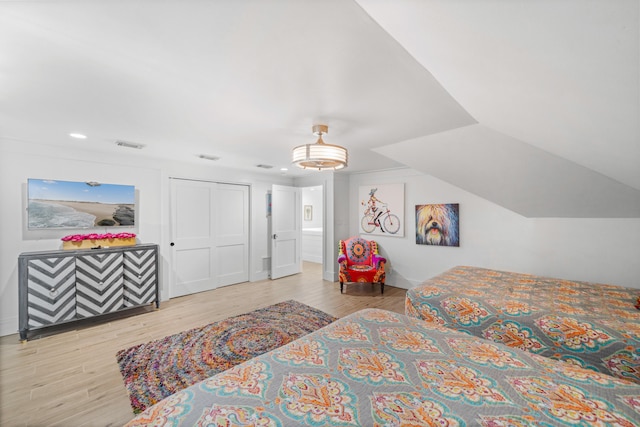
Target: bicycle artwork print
<point x="381" y="209"/>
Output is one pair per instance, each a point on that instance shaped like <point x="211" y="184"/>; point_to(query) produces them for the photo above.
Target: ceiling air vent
<point x="128" y="144"/>
<point x="208" y="157"/>
<point x="264" y="166"/>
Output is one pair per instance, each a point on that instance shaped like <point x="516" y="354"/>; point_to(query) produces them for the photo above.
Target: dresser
<point x="63" y="286"/>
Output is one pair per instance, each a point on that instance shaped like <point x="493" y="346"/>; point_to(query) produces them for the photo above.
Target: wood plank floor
<point x="68" y="376"/>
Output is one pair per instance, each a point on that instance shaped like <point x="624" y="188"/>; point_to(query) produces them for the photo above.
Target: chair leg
<point x="341" y="284"/>
<point x="382" y="287"/>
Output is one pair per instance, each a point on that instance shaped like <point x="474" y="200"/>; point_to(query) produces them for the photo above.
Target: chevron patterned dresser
<point x="62" y="286"/>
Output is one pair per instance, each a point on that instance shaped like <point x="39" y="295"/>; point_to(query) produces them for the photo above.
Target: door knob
<point x="171" y="244"/>
<point x="275" y="236"/>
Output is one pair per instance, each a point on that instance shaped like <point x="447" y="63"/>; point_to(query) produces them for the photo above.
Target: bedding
<point x="592" y="325"/>
<point x="375" y="367"/>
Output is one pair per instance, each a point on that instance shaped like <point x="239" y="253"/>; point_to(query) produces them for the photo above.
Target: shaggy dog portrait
<point x="437" y="225"/>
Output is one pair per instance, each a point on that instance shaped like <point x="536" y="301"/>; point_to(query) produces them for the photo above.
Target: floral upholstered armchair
<point x="359" y="262"/>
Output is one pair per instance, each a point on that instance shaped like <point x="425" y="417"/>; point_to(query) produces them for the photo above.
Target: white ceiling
<point x="245" y="81"/>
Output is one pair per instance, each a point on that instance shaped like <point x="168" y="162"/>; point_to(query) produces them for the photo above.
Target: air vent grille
<point x="128" y="144"/>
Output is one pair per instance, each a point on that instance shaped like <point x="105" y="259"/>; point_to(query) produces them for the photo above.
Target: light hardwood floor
<point x="69" y="376"/>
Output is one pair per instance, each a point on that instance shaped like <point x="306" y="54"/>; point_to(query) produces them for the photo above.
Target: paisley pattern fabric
<point x="591" y="325"/>
<point x="399" y="371"/>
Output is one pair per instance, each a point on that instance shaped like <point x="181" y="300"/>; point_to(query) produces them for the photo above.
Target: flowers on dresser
<point x="94" y="236"/>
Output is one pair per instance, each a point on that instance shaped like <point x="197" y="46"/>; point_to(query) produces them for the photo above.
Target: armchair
<point x="360" y="262"/>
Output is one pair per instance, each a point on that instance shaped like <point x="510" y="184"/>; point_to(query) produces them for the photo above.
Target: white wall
<point x="597" y="250"/>
<point x="20" y="161"/>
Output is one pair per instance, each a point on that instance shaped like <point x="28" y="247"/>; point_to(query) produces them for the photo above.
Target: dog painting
<point x="438" y="224"/>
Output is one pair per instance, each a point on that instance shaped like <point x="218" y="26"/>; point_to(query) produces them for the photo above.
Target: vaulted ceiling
<point x="532" y="105"/>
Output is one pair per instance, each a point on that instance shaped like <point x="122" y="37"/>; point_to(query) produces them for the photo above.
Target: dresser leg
<point x="23" y="336"/>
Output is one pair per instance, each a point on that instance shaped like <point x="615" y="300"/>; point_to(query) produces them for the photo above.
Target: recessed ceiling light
<point x="284" y="169"/>
<point x="78" y="135"/>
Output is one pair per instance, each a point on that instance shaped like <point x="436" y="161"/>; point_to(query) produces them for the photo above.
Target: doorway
<point x="313" y="228"/>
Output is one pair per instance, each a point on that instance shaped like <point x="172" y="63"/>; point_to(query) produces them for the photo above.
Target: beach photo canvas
<point x="74" y="204"/>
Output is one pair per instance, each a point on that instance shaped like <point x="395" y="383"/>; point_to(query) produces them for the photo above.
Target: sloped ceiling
<point x="555" y="87"/>
<point x="476" y="86"/>
<point x="516" y="175"/>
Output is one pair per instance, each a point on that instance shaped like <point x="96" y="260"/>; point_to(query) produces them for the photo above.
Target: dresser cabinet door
<point x="139" y="277"/>
<point x="51" y="296"/>
<point x="99" y="283"/>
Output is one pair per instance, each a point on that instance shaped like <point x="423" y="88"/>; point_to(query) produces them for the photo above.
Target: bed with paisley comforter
<point x="592" y="325"/>
<point x="376" y="367"/>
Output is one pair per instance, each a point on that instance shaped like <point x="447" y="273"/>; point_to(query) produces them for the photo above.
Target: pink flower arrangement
<point x="108" y="236"/>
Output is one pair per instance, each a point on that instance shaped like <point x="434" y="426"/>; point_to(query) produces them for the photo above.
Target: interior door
<point x="210" y="235"/>
<point x="286" y="231"/>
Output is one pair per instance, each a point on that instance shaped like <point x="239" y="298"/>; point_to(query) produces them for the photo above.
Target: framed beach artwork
<point x="381" y="209"/>
<point x="438" y="224"/>
<point x="71" y="204"/>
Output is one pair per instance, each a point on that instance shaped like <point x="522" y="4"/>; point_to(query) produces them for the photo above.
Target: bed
<point x="375" y="367"/>
<point x="592" y="325"/>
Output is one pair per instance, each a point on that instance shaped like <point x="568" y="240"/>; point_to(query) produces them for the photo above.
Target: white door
<point x="232" y="233"/>
<point x="205" y="233"/>
<point x="286" y="231"/>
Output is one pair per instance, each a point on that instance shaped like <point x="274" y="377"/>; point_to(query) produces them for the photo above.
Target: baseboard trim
<point x="8" y="326"/>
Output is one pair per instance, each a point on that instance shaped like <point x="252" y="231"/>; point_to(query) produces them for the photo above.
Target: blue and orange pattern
<point x="592" y="325"/>
<point x="453" y="380"/>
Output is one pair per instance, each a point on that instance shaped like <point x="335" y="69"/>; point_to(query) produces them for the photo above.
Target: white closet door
<point x="286" y="229"/>
<point x="232" y="233"/>
<point x="210" y="223"/>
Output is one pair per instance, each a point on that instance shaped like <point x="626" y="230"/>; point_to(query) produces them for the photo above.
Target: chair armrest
<point x="342" y="258"/>
<point x="377" y="259"/>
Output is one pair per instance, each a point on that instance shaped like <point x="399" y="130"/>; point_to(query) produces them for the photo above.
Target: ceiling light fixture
<point x="78" y="136"/>
<point x="320" y="156"/>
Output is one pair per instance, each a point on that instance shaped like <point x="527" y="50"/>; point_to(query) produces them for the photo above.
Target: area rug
<point x="159" y="368"/>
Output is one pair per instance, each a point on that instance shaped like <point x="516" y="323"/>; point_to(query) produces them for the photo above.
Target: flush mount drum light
<point x="320" y="156"/>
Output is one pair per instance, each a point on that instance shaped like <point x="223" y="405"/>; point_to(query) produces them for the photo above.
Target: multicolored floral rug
<point x="157" y="369"/>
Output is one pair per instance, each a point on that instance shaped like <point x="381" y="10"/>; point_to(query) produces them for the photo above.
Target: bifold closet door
<point x="232" y="233"/>
<point x="210" y="235"/>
